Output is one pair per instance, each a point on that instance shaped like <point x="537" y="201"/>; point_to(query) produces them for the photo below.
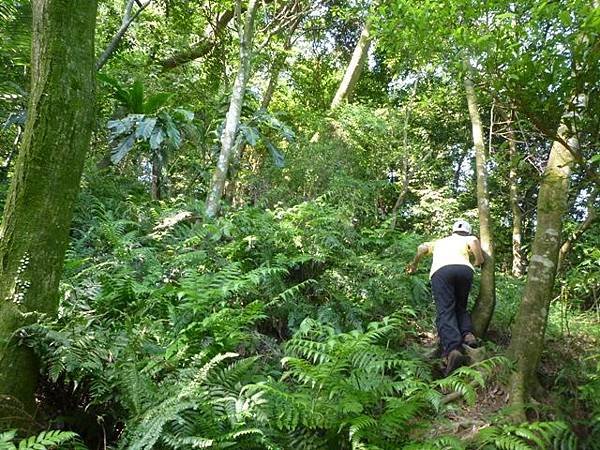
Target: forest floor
<point x="571" y="341"/>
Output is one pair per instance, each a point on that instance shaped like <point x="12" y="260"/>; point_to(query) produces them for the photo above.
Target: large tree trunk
<point x="354" y="69"/>
<point x="484" y="307"/>
<point x="232" y="120"/>
<point x="517" y="214"/>
<point x="530" y="324"/>
<point x="37" y="215"/>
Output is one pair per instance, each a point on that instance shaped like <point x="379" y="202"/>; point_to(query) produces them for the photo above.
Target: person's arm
<point x="422" y="250"/>
<point x="475" y="248"/>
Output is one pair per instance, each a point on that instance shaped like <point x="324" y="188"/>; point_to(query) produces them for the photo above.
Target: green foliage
<point x="133" y="98"/>
<point x="205" y="408"/>
<point x="306" y="284"/>
<point x="351" y="385"/>
<point x="45" y="440"/>
<point x="157" y="132"/>
<point x="149" y="314"/>
<point x="590" y="392"/>
<point x="528" y="436"/>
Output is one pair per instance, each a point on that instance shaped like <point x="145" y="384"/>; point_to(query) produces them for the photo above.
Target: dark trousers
<point x="450" y="286"/>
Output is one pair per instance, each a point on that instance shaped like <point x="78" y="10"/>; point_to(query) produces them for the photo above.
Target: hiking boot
<point x="470" y="340"/>
<point x="454" y="360"/>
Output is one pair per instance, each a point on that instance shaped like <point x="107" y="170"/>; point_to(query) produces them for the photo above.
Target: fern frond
<point x="45" y="440"/>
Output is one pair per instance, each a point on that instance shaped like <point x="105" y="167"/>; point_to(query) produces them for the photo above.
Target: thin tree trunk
<point x="127" y="20"/>
<point x="405" y="161"/>
<point x="233" y="190"/>
<point x="458" y="171"/>
<point x="13" y="150"/>
<point x="354" y="69"/>
<point x="484" y="307"/>
<point x="517" y="214"/>
<point x="278" y="65"/>
<point x="529" y="328"/>
<point x="232" y="120"/>
<point x="273" y="79"/>
<point x="157" y="176"/>
<point x="37" y="215"/>
<point x="591" y="216"/>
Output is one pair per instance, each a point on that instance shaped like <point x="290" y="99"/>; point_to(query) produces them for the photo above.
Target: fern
<point x="529" y="436"/>
<point x="45" y="440"/>
<point x="349" y="382"/>
<point x="205" y="408"/>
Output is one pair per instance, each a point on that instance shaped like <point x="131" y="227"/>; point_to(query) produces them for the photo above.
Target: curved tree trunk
<point x="232" y="120"/>
<point x="530" y="324"/>
<point x="484" y="307"/>
<point x="354" y="69"/>
<point x="233" y="191"/>
<point x="37" y="215"/>
<point x="202" y="48"/>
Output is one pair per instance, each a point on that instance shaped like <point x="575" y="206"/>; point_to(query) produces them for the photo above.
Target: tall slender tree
<point x="37" y="215"/>
<point x="484" y="307"/>
<point x="128" y="18"/>
<point x="232" y="119"/>
<point x="517" y="214"/>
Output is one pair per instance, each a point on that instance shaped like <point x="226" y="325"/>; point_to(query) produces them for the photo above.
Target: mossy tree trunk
<point x="530" y="324"/>
<point x="484" y="307"/>
<point x="37" y="214"/>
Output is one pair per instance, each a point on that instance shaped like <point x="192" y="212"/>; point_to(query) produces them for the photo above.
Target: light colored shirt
<point x="450" y="250"/>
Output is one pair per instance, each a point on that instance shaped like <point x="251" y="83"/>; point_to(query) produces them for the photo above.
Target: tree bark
<point x="37" y="215"/>
<point x="127" y="20"/>
<point x="157" y="176"/>
<point x="233" y="190"/>
<point x="232" y="119"/>
<point x="484" y="307"/>
<point x="517" y="214"/>
<point x="530" y="324"/>
<point x="354" y="69"/>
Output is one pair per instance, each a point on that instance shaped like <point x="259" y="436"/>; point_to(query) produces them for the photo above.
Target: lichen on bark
<point x="530" y="324"/>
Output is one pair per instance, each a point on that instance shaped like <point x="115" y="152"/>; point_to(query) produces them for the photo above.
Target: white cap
<point x="461" y="225"/>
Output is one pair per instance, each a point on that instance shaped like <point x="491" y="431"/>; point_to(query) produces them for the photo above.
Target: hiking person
<point x="451" y="276"/>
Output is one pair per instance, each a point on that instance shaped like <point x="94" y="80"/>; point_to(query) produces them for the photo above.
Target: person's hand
<point x="410" y="268"/>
